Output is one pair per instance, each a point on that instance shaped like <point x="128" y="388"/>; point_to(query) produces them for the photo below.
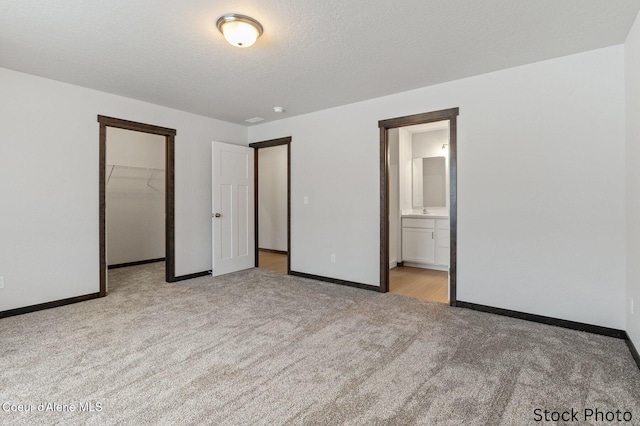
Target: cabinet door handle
<point x="432" y="235"/>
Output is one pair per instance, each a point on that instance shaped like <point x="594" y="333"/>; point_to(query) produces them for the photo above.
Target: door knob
<point x="217" y="215"/>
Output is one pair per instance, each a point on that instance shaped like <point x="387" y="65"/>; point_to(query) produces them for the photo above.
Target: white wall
<point x="539" y="231"/>
<point x="135" y="149"/>
<point x="632" y="80"/>
<point x="49" y="185"/>
<point x="135" y="196"/>
<point x="405" y="164"/>
<point x="272" y="198"/>
<point x="394" y="197"/>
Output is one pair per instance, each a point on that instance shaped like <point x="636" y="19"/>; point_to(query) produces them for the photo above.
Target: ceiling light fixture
<point x="278" y="109"/>
<point x="239" y="30"/>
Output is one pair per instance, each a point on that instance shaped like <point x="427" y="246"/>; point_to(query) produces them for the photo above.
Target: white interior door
<point x="232" y="216"/>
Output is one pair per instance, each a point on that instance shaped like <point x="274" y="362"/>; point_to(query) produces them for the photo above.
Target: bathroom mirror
<point x="429" y="182"/>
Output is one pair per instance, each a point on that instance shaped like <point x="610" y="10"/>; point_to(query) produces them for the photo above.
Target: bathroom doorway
<point x="419" y="211"/>
<point x="418" y="222"/>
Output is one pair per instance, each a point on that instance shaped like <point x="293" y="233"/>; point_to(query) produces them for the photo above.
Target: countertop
<point x="432" y="214"/>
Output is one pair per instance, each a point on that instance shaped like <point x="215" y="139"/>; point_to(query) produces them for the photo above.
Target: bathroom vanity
<point x="425" y="240"/>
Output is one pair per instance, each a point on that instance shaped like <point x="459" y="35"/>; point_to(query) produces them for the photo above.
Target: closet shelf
<point x="152" y="173"/>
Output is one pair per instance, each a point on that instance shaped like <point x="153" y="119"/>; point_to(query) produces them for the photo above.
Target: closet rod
<point x="148" y="169"/>
<point x="135" y="167"/>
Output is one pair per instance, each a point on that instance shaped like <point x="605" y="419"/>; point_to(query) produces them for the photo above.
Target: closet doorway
<point x="428" y="233"/>
<point x="151" y="178"/>
<point x="273" y="204"/>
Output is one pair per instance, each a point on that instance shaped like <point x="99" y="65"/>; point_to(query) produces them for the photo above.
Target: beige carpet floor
<point x="260" y="348"/>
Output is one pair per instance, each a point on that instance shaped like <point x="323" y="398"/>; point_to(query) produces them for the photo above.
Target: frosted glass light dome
<point x="239" y="30"/>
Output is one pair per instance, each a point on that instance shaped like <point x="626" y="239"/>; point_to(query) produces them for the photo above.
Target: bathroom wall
<point x="394" y="197"/>
<point x="429" y="144"/>
<point x="405" y="175"/>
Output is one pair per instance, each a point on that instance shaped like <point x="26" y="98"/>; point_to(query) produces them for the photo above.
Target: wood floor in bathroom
<point x="426" y="284"/>
<point x="421" y="283"/>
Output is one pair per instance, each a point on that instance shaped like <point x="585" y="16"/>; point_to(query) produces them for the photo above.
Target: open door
<point x="233" y="210"/>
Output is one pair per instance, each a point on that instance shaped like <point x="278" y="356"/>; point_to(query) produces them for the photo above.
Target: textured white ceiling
<point x="313" y="54"/>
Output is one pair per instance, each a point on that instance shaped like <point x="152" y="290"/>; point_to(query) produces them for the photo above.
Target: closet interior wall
<point x="135" y="192"/>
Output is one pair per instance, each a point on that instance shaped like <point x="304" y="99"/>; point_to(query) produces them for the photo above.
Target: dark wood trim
<point x="170" y="209"/>
<point x="255" y="204"/>
<point x="336" y="281"/>
<point x="384" y="210"/>
<point x="427" y="117"/>
<point x="102" y="203"/>
<point x="634" y="351"/>
<point x="289" y="206"/>
<point x="135" y="126"/>
<point x="271" y="142"/>
<point x="169" y="135"/>
<point x="48" y="305"/>
<point x="453" y="210"/>
<point x="410" y="120"/>
<point x="136" y="263"/>
<point x="191" y="276"/>
<point x="273" y="251"/>
<point x="573" y="325"/>
<point x="268" y="144"/>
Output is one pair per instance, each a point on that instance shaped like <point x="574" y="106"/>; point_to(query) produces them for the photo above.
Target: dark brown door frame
<point x="267" y="144"/>
<point x="169" y="135"/>
<point x="410" y="120"/>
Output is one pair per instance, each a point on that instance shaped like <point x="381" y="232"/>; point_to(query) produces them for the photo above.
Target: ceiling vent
<point x="254" y="120"/>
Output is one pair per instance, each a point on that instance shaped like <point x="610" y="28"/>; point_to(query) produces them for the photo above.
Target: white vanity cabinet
<point x="418" y="240"/>
<point x="442" y="242"/>
<point x="425" y="242"/>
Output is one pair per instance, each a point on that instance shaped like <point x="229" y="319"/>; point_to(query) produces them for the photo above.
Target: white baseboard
<point x="427" y="266"/>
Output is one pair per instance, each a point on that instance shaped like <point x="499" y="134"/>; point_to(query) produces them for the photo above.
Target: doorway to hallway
<point x="272" y="159"/>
